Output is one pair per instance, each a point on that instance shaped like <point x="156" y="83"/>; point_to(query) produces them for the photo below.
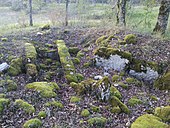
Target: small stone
<point x="98" y="77"/>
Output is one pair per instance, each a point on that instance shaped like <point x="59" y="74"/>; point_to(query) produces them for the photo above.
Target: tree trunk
<point x="121" y="12"/>
<point x="163" y="16"/>
<point x="30" y="13"/>
<point x="66" y="18"/>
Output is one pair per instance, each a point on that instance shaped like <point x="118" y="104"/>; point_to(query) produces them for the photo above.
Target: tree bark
<point x="30" y="12"/>
<point x="163" y="17"/>
<point x="66" y="17"/>
<point x="121" y="12"/>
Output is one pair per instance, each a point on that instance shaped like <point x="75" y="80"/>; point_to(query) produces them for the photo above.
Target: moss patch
<point x="54" y="104"/>
<point x="130" y="39"/>
<point x="74" y="99"/>
<point x="115" y="110"/>
<point x="73" y="50"/>
<point x="85" y="113"/>
<point x="97" y="122"/>
<point x="134" y="101"/>
<point x="46" y="89"/>
<point x="31" y="70"/>
<point x="115" y="92"/>
<point x="33" y="123"/>
<point x="42" y="114"/>
<point x="3" y="103"/>
<point x="9" y="85"/>
<point x="30" y="53"/>
<point x="163" y="113"/>
<point x="28" y="108"/>
<point x="148" y="121"/>
<point x="115" y="78"/>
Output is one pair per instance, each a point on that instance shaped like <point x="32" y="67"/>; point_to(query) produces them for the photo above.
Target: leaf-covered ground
<point x="146" y="48"/>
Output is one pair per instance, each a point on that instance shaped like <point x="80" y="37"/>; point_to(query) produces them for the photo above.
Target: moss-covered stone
<point x="134" y="101"/>
<point x="100" y="39"/>
<point x="73" y="50"/>
<point x="74" y="99"/>
<point x="80" y="77"/>
<point x="54" y="104"/>
<point x="95" y="108"/>
<point x="115" y="78"/>
<point x="148" y="121"/>
<point x="45" y="27"/>
<point x="28" y="108"/>
<point x="30" y="53"/>
<point x="163" y="83"/>
<point x="114" y="101"/>
<point x="33" y="123"/>
<point x="15" y="67"/>
<point x="115" y="110"/>
<point x="42" y="114"/>
<point x="163" y="113"/>
<point x="76" y="61"/>
<point x="115" y="92"/>
<point x="46" y="89"/>
<point x="3" y="103"/>
<point x="130" y="39"/>
<point x="123" y="85"/>
<point x="31" y="70"/>
<point x="97" y="122"/>
<point x="9" y="85"/>
<point x="66" y="61"/>
<point x="85" y="113"/>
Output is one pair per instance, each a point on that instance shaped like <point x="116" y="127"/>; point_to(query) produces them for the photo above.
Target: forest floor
<point x="69" y="116"/>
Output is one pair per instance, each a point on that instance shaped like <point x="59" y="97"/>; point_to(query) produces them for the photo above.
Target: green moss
<point x="126" y="55"/>
<point x="130" y="39"/>
<point x="114" y="101"/>
<point x="31" y="70"/>
<point x="115" y="110"/>
<point x="4" y="39"/>
<point x="15" y="67"/>
<point x="9" y="85"/>
<point x="154" y="98"/>
<point x="95" y="108"/>
<point x="148" y="121"/>
<point x="28" y="108"/>
<point x="100" y="39"/>
<point x="46" y="89"/>
<point x="130" y="80"/>
<point x="71" y="78"/>
<point x="80" y="54"/>
<point x="73" y="50"/>
<point x="74" y="99"/>
<point x="123" y="85"/>
<point x="134" y="101"/>
<point x="85" y="113"/>
<point x="80" y="77"/>
<point x="30" y="52"/>
<point x="66" y="62"/>
<point x="115" y="92"/>
<point x="163" y="113"/>
<point x="76" y="61"/>
<point x="45" y="27"/>
<point x="3" y="103"/>
<point x="97" y="122"/>
<point x="115" y="78"/>
<point x="33" y="123"/>
<point x="42" y="114"/>
<point x="86" y="65"/>
<point x="2" y="95"/>
<point x="54" y="104"/>
<point x="163" y="83"/>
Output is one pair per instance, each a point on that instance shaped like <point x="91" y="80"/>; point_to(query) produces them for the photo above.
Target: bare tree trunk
<point x="163" y="17"/>
<point x="66" y="18"/>
<point x="30" y="13"/>
<point x="121" y="12"/>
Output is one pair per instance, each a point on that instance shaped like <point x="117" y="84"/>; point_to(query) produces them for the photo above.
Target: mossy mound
<point x="56" y="104"/>
<point x="85" y="113"/>
<point x="28" y="108"/>
<point x="163" y="83"/>
<point x="3" y="103"/>
<point x="115" y="78"/>
<point x="163" y="113"/>
<point x="33" y="123"/>
<point x="16" y="67"/>
<point x="30" y="53"/>
<point x="31" y="70"/>
<point x="97" y="122"/>
<point x="46" y="89"/>
<point x="130" y="39"/>
<point x="134" y="101"/>
<point x="42" y="114"/>
<point x="66" y="61"/>
<point x="100" y="39"/>
<point x="148" y="121"/>
<point x="73" y="50"/>
<point x="115" y="92"/>
<point x="116" y="110"/>
<point x="74" y="99"/>
<point x="9" y="85"/>
<point x="115" y="102"/>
